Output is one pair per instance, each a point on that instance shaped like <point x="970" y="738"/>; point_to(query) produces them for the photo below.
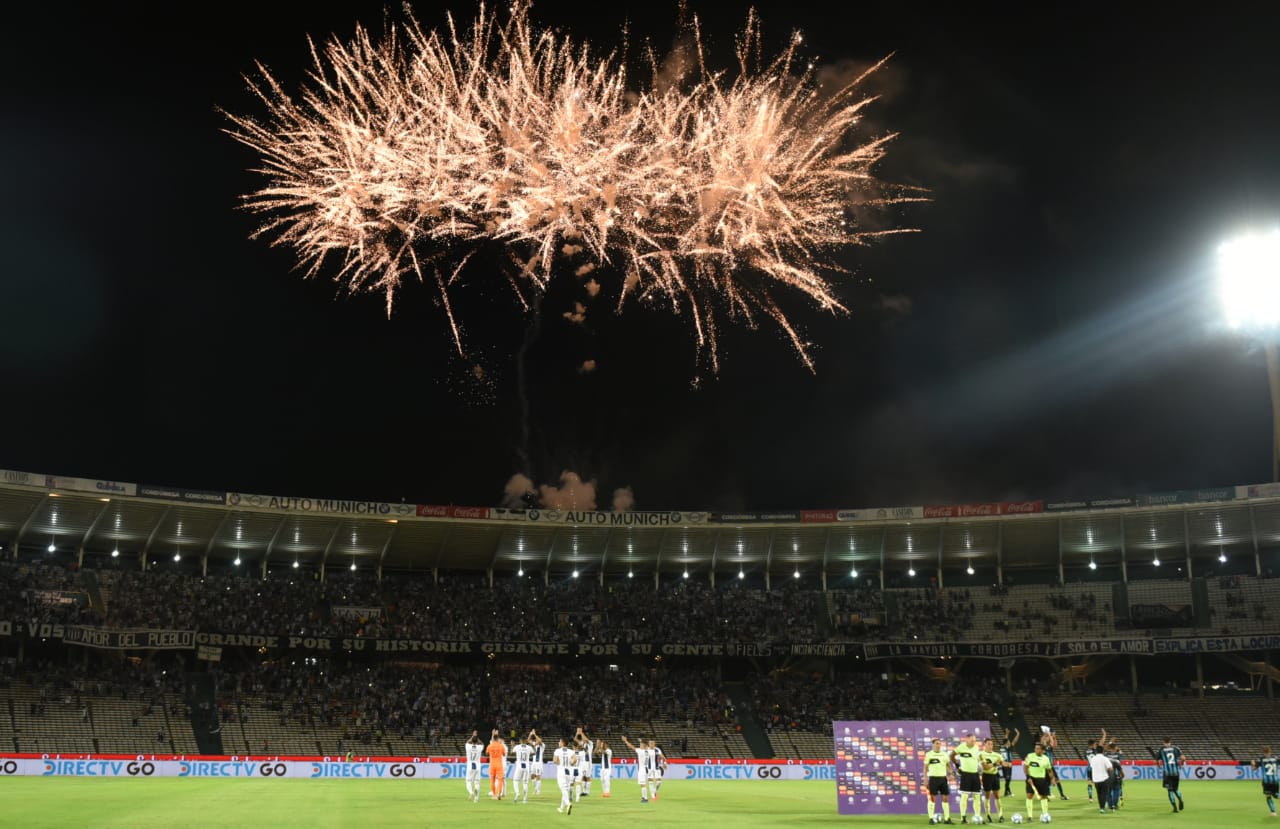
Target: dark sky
<point x="1052" y="331"/>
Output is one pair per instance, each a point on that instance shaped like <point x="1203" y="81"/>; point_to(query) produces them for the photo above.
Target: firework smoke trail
<point x="707" y="194"/>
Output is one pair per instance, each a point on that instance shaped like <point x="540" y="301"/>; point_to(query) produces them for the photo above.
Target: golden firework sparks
<point x="706" y="194"/>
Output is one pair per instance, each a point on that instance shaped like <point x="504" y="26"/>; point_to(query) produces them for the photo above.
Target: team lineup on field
<point x="574" y="759"/>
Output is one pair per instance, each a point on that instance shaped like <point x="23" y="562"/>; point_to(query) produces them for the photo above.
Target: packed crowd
<point x="798" y="701"/>
<point x="369" y="703"/>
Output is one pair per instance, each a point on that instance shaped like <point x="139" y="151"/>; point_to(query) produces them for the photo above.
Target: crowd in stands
<point x="802" y="701"/>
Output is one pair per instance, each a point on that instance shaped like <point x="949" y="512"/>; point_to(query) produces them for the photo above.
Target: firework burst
<point x="707" y="194"/>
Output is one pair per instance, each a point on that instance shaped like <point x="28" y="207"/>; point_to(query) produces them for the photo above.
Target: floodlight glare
<point x="1249" y="280"/>
<point x="911" y="571"/>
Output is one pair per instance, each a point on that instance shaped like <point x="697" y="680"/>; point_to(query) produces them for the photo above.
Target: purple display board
<point x="880" y="764"/>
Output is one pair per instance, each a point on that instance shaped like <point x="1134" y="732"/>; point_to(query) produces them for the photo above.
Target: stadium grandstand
<point x="154" y="619"/>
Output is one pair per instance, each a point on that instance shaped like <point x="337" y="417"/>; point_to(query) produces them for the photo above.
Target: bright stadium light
<point x="1093" y="565"/>
<point x="520" y="572"/>
<point x="631" y="574"/>
<point x="969" y="569"/>
<point x="295" y="565"/>
<point x="741" y="574"/>
<point x="115" y="553"/>
<point x="1155" y="562"/>
<point x="177" y="556"/>
<point x="353" y="566"/>
<point x="911" y="571"/>
<point x="575" y="574"/>
<point x="52" y="547"/>
<point x="796" y="574"/>
<point x="1249" y="284"/>
<point x="853" y="574"/>
<point x="1222" y="557"/>
<point x="237" y="561"/>
<point x="1249" y="279"/>
<point x="686" y="573"/>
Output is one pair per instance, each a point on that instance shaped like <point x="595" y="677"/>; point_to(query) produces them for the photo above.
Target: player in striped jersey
<point x="606" y="767"/>
<point x="523" y="753"/>
<point x="658" y="764"/>
<point x="564" y="759"/>
<point x="580" y="760"/>
<point x="588" y="748"/>
<point x="1269" y="765"/>
<point x="644" y="765"/>
<point x="475" y="750"/>
<point x="535" y="771"/>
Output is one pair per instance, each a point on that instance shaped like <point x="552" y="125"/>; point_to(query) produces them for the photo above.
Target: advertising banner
<point x="431" y="511"/>
<point x="1008" y="650"/>
<point x="321" y="506"/>
<point x="880" y="514"/>
<point x="192" y="496"/>
<point x="879" y="766"/>
<point x="615" y="519"/>
<point x="1187" y="496"/>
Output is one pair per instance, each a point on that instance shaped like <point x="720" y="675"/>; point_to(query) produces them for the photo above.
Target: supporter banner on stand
<point x="193" y="496"/>
<point x="119" y="640"/>
<point x="321" y="506"/>
<point x="1008" y="650"/>
<point x="1219" y="644"/>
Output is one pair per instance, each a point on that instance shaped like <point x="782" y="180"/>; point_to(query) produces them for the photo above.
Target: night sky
<point x="1053" y="330"/>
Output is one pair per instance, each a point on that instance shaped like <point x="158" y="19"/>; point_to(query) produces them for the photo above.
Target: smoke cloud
<point x="570" y="493"/>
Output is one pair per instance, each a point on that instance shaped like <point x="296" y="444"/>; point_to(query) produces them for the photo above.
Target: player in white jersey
<point x="475" y="751"/>
<point x="644" y="765"/>
<point x="606" y="767"/>
<point x="564" y="759"/>
<point x="588" y="747"/>
<point x="658" y="767"/>
<point x="520" y="772"/>
<point x="535" y="770"/>
<point x="580" y="761"/>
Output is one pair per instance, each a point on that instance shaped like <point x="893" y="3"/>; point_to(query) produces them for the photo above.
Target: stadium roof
<point x="88" y="525"/>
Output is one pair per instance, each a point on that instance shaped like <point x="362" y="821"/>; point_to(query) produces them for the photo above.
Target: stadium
<point x="786" y="414"/>
<point x="162" y="624"/>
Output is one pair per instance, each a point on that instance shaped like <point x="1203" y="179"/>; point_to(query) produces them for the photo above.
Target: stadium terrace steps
<point x="7" y="723"/>
<point x="60" y="728"/>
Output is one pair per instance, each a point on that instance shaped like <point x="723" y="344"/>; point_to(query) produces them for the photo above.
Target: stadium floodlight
<point x="353" y="566"/>
<point x="575" y="574"/>
<point x="969" y="569"/>
<point x="115" y="553"/>
<point x="911" y="571"/>
<point x="796" y="574"/>
<point x="1222" y="557"/>
<point x="1249" y="284"/>
<point x="631" y="574"/>
<point x="295" y="565"/>
<point x="52" y="547"/>
<point x="853" y="574"/>
<point x="1093" y="565"/>
<point x="520" y="572"/>
<point x="686" y="572"/>
<point x="237" y="561"/>
<point x="177" y="556"/>
<point x="741" y="574"/>
<point x="1155" y="562"/>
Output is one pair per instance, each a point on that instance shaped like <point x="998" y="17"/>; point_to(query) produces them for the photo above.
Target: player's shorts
<point x="520" y="773"/>
<point x="991" y="782"/>
<point x="586" y="771"/>
<point x="656" y="774"/>
<point x="473" y="772"/>
<point x="1171" y="782"/>
<point x="970" y="782"/>
<point x="606" y="772"/>
<point x="642" y="777"/>
<point x="939" y="785"/>
<point x="535" y="770"/>
<point x="1039" y="785"/>
<point x="1271" y="789"/>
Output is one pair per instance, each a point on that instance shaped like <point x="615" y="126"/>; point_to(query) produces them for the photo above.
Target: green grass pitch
<point x="313" y="804"/>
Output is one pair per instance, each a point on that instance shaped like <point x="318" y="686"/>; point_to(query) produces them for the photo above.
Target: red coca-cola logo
<point x="967" y="510"/>
<point x="428" y="511"/>
<point x="939" y="511"/>
<point x="1017" y="507"/>
<point x="470" y="512"/>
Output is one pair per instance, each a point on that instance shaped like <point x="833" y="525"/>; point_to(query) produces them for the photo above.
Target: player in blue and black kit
<point x="1170" y="758"/>
<point x="1270" y="766"/>
<point x="1115" y="792"/>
